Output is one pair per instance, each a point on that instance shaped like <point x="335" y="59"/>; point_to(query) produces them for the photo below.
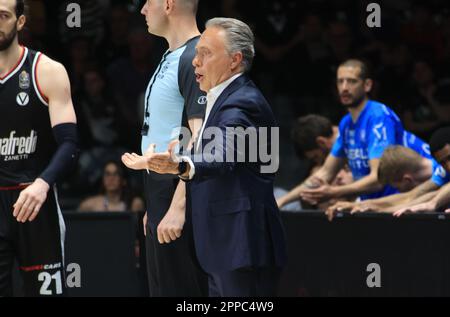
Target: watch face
<point x="182" y="166"/>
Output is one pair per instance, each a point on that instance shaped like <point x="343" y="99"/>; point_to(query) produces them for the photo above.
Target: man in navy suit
<point x="238" y="235"/>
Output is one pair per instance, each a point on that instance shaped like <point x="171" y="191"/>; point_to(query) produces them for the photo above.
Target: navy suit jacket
<point x="235" y="217"/>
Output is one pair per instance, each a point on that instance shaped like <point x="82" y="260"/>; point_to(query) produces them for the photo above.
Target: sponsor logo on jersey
<point x="351" y="137"/>
<point x="363" y="135"/>
<point x="22" y="99"/>
<point x="440" y="171"/>
<point x="15" y="148"/>
<point x="426" y="148"/>
<point x="164" y="70"/>
<point x="24" y="80"/>
<point x="41" y="267"/>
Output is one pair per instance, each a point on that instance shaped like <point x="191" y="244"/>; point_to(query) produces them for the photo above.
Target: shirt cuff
<point x="188" y="160"/>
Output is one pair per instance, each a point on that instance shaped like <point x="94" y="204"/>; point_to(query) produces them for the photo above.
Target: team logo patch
<point x="23" y="99"/>
<point x="24" y="80"/>
<point x="202" y="100"/>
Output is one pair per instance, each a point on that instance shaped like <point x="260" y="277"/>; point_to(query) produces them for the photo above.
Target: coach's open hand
<point x="30" y="201"/>
<point x="138" y="162"/>
<point x="165" y="163"/>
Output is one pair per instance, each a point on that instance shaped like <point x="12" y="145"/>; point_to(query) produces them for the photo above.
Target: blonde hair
<point x="396" y="162"/>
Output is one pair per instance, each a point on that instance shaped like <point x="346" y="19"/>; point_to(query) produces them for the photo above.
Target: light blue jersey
<point x="172" y="92"/>
<point x="377" y="128"/>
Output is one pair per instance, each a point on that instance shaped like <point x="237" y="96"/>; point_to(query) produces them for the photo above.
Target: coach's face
<point x="9" y="23"/>
<point x="443" y="157"/>
<point x="155" y="16"/>
<point x="351" y="87"/>
<point x="213" y="63"/>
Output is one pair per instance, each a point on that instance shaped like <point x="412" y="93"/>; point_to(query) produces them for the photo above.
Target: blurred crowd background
<point x="299" y="45"/>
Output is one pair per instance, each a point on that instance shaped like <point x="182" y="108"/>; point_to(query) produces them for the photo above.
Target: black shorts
<point x="37" y="246"/>
<point x="173" y="269"/>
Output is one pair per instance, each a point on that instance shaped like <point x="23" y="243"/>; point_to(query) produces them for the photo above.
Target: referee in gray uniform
<point x="172" y="98"/>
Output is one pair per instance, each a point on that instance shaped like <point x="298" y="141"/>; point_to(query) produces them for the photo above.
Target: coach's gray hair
<point x="239" y="38"/>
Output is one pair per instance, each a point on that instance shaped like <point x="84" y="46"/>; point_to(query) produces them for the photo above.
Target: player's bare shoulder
<point x="52" y="76"/>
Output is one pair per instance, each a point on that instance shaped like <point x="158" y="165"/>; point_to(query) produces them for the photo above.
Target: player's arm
<point x="325" y="174"/>
<point x="421" y="204"/>
<point x="442" y="199"/>
<point x="431" y="202"/>
<point x="55" y="86"/>
<point x="404" y="198"/>
<point x="388" y="203"/>
<point x="171" y="226"/>
<point x="366" y="185"/>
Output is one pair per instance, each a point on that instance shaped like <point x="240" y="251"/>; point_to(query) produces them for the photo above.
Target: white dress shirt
<point x="211" y="97"/>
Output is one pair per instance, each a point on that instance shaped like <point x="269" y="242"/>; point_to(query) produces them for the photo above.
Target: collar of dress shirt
<point x="215" y="92"/>
<point x="211" y="97"/>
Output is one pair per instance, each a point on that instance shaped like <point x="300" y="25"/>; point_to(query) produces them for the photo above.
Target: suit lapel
<point x="235" y="85"/>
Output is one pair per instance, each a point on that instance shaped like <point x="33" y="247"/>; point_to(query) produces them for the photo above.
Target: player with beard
<point x="38" y="144"/>
<point x="364" y="133"/>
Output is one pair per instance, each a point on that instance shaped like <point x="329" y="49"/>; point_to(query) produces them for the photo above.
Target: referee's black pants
<point x="173" y="270"/>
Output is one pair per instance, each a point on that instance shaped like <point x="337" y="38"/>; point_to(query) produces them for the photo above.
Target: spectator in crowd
<point x="420" y="117"/>
<point x="128" y="78"/>
<point x="118" y="27"/>
<point x="441" y="101"/>
<point x="97" y="110"/>
<point x="341" y="41"/>
<point x="114" y="195"/>
<point x="421" y="33"/>
<point x="446" y="38"/>
<point x="100" y="123"/>
<point x="394" y="75"/>
<point x="313" y="57"/>
<point x="79" y="57"/>
<point x="36" y="34"/>
<point x="276" y="30"/>
<point x="92" y="17"/>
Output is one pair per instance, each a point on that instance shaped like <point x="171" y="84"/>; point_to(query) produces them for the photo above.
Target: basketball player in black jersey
<point x="38" y="143"/>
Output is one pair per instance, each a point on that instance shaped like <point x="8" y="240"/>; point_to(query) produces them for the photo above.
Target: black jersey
<point x="26" y="140"/>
